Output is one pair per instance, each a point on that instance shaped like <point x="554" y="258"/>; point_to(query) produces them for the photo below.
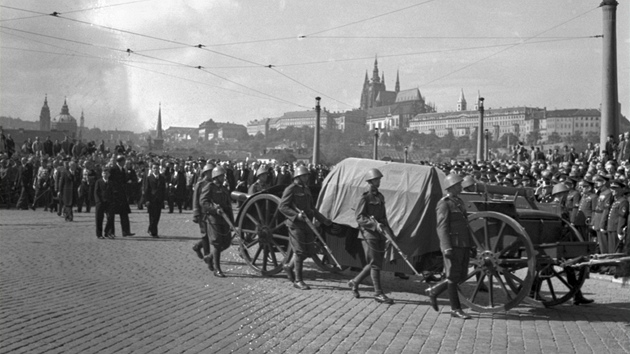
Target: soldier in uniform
<point x="600" y="217"/>
<point x="617" y="218"/>
<point x="261" y="183"/>
<point x="572" y="202"/>
<point x="369" y="212"/>
<point x="588" y="203"/>
<point x="297" y="205"/>
<point x="456" y="244"/>
<point x="203" y="246"/>
<point x="215" y="201"/>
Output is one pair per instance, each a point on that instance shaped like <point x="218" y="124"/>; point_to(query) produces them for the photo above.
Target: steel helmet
<point x="468" y="181"/>
<point x="206" y="168"/>
<point x="218" y="171"/>
<point x="261" y="171"/>
<point x="373" y="173"/>
<point x="300" y="171"/>
<point x="452" y="180"/>
<point x="559" y="188"/>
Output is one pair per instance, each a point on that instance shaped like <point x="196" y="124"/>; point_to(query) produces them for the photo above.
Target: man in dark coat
<point x="154" y="190"/>
<point x="48" y="146"/>
<point x="103" y="198"/>
<point x="120" y="204"/>
<point x="25" y="183"/>
<point x="56" y="148"/>
<point x="455" y="242"/>
<point x="177" y="193"/>
<point x="67" y="187"/>
<point x="284" y="177"/>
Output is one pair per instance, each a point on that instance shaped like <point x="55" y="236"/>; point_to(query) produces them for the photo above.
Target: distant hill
<point x="17" y="123"/>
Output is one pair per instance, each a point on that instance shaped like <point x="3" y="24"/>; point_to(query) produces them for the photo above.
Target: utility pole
<point x="609" y="121"/>
<point x="406" y="153"/>
<point x="375" y="154"/>
<point x="316" y="138"/>
<point x="487" y="157"/>
<point x="480" y="131"/>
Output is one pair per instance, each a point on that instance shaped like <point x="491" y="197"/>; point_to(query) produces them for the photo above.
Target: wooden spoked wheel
<point x="554" y="284"/>
<point x="264" y="236"/>
<point x="324" y="261"/>
<point x="502" y="273"/>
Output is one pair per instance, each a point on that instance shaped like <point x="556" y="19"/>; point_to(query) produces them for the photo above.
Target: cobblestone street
<point x="64" y="291"/>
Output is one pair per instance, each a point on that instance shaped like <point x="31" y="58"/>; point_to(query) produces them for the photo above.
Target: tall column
<point x="316" y="139"/>
<point x="480" y="149"/>
<point x="375" y="152"/>
<point x="609" y="121"/>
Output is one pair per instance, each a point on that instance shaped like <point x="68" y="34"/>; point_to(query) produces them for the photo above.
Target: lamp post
<point x="316" y="138"/>
<point x="480" y="131"/>
<point x="406" y="153"/>
<point x="375" y="153"/>
<point x="609" y="121"/>
<point x="487" y="157"/>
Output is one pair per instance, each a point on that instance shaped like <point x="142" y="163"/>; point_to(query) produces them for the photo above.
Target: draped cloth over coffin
<point x="411" y="194"/>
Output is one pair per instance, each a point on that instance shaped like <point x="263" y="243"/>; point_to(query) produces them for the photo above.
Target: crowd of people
<point x="592" y="188"/>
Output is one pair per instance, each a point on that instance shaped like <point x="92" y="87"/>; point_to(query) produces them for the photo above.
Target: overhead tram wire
<point x="129" y="52"/>
<point x="510" y="47"/>
<point x="440" y="37"/>
<point x="42" y="14"/>
<point x="367" y="19"/>
<point x="308" y="87"/>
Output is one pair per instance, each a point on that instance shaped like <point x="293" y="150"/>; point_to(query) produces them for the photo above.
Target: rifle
<point x="316" y="232"/>
<point x="390" y="238"/>
<point x="229" y="222"/>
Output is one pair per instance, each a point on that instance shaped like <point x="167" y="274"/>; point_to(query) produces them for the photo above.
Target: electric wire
<point x="310" y="88"/>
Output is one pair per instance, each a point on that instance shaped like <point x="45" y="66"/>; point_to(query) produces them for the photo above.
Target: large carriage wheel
<point x="554" y="284"/>
<point x="323" y="259"/>
<point x="502" y="273"/>
<point x="264" y="236"/>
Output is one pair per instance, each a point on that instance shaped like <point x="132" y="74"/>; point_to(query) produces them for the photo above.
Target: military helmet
<point x="559" y="188"/>
<point x="218" y="171"/>
<point x="373" y="173"/>
<point x="452" y="180"/>
<point x="468" y="181"/>
<point x="261" y="171"/>
<point x="300" y="171"/>
<point x="206" y="168"/>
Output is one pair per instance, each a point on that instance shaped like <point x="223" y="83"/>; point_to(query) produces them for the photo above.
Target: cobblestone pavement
<point x="64" y="291"/>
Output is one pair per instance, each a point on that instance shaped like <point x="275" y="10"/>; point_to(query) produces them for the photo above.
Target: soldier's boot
<point x="379" y="296"/>
<point x="288" y="270"/>
<point x="434" y="292"/>
<point x="216" y="259"/>
<point x="299" y="283"/>
<point x="197" y="248"/>
<point x="456" y="307"/>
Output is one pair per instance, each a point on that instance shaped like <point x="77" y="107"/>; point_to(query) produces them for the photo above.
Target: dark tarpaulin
<point x="411" y="194"/>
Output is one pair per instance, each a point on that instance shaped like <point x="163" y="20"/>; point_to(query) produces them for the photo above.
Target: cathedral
<point x="390" y="109"/>
<point x="63" y="122"/>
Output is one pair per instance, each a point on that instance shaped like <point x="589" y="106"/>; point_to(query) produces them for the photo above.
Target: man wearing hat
<point x="297" y="205"/>
<point x="617" y="218"/>
<point x="584" y="215"/>
<point x="215" y="202"/>
<point x="572" y="202"/>
<point x="204" y="243"/>
<point x="261" y="182"/>
<point x="370" y="214"/>
<point x="456" y="244"/>
<point x="154" y="191"/>
<point x="120" y="204"/>
<point x="600" y="216"/>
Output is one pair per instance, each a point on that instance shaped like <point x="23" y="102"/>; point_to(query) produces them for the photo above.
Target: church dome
<point x="64" y="116"/>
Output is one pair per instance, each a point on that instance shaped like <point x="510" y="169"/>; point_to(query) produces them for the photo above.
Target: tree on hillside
<point x="532" y="137"/>
<point x="554" y="138"/>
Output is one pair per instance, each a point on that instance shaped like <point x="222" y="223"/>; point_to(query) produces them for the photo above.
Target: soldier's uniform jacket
<point x="372" y="203"/>
<point x="197" y="210"/>
<point x="256" y="187"/>
<point x="585" y="209"/>
<point x="544" y="194"/>
<point x="618" y="216"/>
<point x="573" y="204"/>
<point x="452" y="224"/>
<point x="298" y="196"/>
<point x="211" y="199"/>
<point x="600" y="217"/>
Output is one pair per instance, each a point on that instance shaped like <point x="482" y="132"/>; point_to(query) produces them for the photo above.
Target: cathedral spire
<point x="44" y="116"/>
<point x="81" y="125"/>
<point x="461" y="103"/>
<point x="397" y="88"/>
<point x="375" y="77"/>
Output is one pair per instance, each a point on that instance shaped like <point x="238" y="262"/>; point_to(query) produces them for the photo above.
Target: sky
<point x="118" y="61"/>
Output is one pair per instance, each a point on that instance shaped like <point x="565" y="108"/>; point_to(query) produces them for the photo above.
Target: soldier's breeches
<point x="456" y="268"/>
<point x="219" y="235"/>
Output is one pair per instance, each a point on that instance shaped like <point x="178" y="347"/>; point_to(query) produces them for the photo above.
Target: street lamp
<point x="480" y="131"/>
<point x="487" y="157"/>
<point x="406" y="152"/>
<point x="316" y="138"/>
<point x="375" y="153"/>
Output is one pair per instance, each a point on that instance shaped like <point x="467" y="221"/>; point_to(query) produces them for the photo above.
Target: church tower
<point x="397" y="88"/>
<point x="81" y="125"/>
<point x="44" y="116"/>
<point x="158" y="142"/>
<point x="364" y="92"/>
<point x="461" y="103"/>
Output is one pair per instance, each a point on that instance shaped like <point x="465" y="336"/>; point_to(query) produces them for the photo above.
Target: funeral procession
<point x="243" y="178"/>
